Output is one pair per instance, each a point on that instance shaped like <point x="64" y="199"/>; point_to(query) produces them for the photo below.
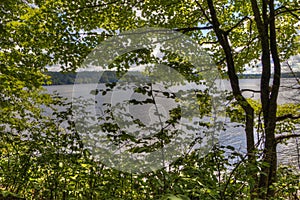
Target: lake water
<point x="234" y="134"/>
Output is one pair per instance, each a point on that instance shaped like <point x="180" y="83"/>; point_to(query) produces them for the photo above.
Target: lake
<point x="234" y="134"/>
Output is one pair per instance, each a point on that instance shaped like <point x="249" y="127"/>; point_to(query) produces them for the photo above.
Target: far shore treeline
<point x="66" y="78"/>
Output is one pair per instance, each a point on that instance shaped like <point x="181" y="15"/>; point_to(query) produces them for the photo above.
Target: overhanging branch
<point x="184" y="30"/>
<point x="282" y="137"/>
<point x="287" y="10"/>
<point x="250" y="90"/>
<point x="287" y="116"/>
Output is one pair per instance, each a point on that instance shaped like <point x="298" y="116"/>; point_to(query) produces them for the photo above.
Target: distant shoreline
<point x="68" y="78"/>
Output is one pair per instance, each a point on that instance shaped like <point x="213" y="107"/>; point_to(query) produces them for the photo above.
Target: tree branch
<point x="291" y="11"/>
<point x="221" y="61"/>
<point x="91" y="34"/>
<point x="291" y="69"/>
<point x="184" y="30"/>
<point x="209" y="42"/>
<point x="282" y="137"/>
<point x="203" y="12"/>
<point x="236" y="53"/>
<point x="247" y="45"/>
<point x="287" y="116"/>
<point x="250" y="90"/>
<point x="291" y="87"/>
<point x="79" y="9"/>
<point x="237" y="24"/>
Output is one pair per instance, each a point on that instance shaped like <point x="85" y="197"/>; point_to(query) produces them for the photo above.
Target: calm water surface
<point x="234" y="134"/>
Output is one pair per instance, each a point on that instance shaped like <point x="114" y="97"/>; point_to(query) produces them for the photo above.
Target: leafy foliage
<point x="42" y="155"/>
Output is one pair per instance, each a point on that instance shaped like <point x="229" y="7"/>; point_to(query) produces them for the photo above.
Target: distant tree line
<point x="283" y="75"/>
<point x="66" y="78"/>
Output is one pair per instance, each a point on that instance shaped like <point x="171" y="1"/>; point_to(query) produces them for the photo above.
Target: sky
<point x="294" y="62"/>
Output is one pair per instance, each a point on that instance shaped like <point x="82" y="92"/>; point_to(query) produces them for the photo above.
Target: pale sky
<point x="294" y="62"/>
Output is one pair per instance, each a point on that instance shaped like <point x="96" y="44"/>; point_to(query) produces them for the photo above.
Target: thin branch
<point x="209" y="42"/>
<point x="287" y="116"/>
<point x="291" y="11"/>
<point x="290" y="87"/>
<point x="221" y="61"/>
<point x="260" y="140"/>
<point x="282" y="137"/>
<point x="80" y="9"/>
<point x="237" y="24"/>
<point x="247" y="45"/>
<point x="184" y="30"/>
<point x="291" y="69"/>
<point x="250" y="90"/>
<point x="243" y="159"/>
<point x="203" y="12"/>
<point x="236" y="53"/>
<point x="92" y="34"/>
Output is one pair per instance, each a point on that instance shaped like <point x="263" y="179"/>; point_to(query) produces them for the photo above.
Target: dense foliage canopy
<point x="42" y="155"/>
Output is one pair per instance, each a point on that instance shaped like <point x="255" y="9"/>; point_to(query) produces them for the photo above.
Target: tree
<point x="234" y="24"/>
<point x="264" y="19"/>
<point x="239" y="34"/>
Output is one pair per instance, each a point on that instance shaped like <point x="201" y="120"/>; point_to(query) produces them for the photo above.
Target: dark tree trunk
<point x="234" y="82"/>
<point x="266" y="27"/>
<point x="265" y="23"/>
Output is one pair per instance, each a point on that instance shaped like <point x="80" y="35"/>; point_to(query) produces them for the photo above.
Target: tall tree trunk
<point x="234" y="82"/>
<point x="265" y="22"/>
<point x="266" y="25"/>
